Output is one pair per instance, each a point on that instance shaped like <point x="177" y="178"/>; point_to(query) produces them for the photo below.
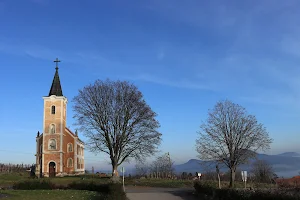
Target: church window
<point x="70" y="147"/>
<point x="52" y="144"/>
<point x="70" y="162"/>
<point x="52" y="128"/>
<point x="52" y="110"/>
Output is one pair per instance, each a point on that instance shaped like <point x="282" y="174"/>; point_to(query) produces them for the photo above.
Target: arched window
<point x="52" y="144"/>
<point x="70" y="147"/>
<point x="70" y="162"/>
<point x="52" y="128"/>
<point x="52" y="110"/>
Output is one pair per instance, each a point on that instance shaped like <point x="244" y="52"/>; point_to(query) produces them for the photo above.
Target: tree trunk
<point x="219" y="180"/>
<point x="232" y="177"/>
<point x="115" y="175"/>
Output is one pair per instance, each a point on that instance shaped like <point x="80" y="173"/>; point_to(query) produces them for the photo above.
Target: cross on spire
<point x="56" y="61"/>
<point x="56" y="87"/>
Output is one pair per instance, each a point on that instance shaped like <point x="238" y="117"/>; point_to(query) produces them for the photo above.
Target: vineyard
<point x="14" y="168"/>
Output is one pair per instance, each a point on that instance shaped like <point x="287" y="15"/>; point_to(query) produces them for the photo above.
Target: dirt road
<point x="149" y="193"/>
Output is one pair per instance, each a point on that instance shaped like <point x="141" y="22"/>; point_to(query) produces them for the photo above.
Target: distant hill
<point x="285" y="164"/>
<point x="290" y="154"/>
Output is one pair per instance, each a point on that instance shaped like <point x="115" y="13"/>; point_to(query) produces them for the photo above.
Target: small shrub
<point x="209" y="191"/>
<point x="110" y="191"/>
<point x="229" y="194"/>
<point x="114" y="191"/>
<point x="204" y="188"/>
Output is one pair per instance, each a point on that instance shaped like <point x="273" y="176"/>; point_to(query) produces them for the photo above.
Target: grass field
<point x="7" y="180"/>
<point x="10" y="178"/>
<point x="50" y="194"/>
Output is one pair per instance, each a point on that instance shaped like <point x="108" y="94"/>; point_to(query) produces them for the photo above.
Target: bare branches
<point x="116" y="120"/>
<point x="231" y="136"/>
<point x="162" y="167"/>
<point x="262" y="171"/>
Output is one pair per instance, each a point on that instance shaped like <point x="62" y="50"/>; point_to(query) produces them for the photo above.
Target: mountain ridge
<point x="285" y="165"/>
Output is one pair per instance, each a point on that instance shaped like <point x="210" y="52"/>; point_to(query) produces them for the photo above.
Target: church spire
<point x="56" y="87"/>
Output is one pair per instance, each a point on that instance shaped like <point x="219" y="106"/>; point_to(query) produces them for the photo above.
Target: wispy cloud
<point x="32" y="50"/>
<point x="254" y="58"/>
<point x="2" y="5"/>
<point x="161" y="54"/>
<point x="41" y="2"/>
<point x="45" y="53"/>
<point x="239" y="75"/>
<point x="291" y="45"/>
<point x="179" y="83"/>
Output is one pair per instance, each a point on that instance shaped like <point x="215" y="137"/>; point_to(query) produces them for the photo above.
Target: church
<point x="59" y="151"/>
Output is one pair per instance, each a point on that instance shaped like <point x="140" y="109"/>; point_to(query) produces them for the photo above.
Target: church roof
<point x="56" y="87"/>
<point x="74" y="135"/>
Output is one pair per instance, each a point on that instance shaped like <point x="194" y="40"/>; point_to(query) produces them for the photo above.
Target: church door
<point x="52" y="169"/>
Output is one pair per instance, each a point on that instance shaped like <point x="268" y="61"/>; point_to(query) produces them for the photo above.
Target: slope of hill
<point x="290" y="154"/>
<point x="286" y="164"/>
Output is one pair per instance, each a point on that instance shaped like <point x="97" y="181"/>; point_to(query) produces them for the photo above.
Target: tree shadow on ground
<point x="4" y="195"/>
<point x="185" y="194"/>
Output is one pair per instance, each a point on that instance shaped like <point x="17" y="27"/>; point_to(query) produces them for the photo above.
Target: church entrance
<point x="52" y="169"/>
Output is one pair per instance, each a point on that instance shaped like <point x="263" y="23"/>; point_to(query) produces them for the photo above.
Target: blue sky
<point x="183" y="55"/>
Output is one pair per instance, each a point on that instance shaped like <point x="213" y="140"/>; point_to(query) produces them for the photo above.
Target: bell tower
<point x="54" y="124"/>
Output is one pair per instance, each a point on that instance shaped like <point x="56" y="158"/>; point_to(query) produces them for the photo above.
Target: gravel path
<point x="149" y="193"/>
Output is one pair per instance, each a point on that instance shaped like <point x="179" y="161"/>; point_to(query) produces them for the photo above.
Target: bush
<point x="110" y="191"/>
<point x="206" y="188"/>
<point x="208" y="191"/>
<point x="114" y="191"/>
<point x="34" y="185"/>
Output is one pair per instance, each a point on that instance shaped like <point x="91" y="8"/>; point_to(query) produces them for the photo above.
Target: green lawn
<point x="51" y="194"/>
<point x="168" y="183"/>
<point x="10" y="178"/>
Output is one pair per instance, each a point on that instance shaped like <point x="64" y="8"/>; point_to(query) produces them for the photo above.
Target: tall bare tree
<point x="115" y="118"/>
<point x="231" y="136"/>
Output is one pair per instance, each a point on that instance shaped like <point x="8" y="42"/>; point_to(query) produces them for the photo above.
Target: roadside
<point x="150" y="193"/>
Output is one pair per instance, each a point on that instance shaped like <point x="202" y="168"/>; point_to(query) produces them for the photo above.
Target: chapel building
<point x="59" y="151"/>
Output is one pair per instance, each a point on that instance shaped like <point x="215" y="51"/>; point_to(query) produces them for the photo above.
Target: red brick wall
<point x="67" y="140"/>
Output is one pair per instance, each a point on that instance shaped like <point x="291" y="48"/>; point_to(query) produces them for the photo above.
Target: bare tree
<point x="142" y="168"/>
<point x="262" y="171"/>
<point x="231" y="136"/>
<point x="115" y="118"/>
<point x="162" y="166"/>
